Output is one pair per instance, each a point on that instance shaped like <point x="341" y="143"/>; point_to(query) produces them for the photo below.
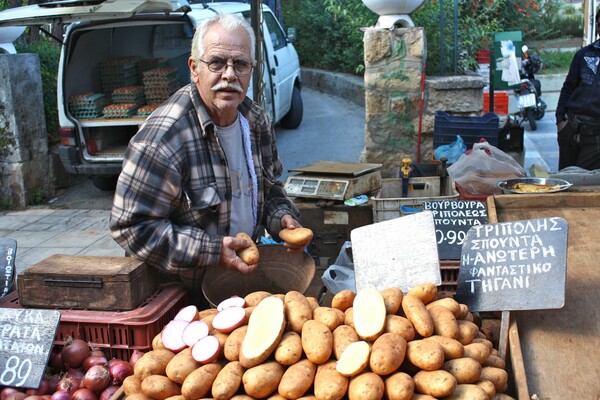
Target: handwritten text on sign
<point x="453" y="219"/>
<point x="518" y="265"/>
<point x="26" y="338"/>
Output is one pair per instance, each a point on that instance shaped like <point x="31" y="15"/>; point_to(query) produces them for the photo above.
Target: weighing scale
<point x="332" y="180"/>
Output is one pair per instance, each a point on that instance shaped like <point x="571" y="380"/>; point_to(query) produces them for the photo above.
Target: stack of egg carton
<point x="160" y="83"/>
<point x="119" y="72"/>
<point x="126" y="101"/>
<point x="146" y="110"/>
<point x="145" y="64"/>
<point x="87" y="105"/>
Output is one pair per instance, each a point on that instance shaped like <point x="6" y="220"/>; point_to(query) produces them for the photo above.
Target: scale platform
<point x="332" y="180"/>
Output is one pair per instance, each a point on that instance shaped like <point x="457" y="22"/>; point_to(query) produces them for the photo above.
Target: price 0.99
<point x="450" y="237"/>
<point x="15" y="371"/>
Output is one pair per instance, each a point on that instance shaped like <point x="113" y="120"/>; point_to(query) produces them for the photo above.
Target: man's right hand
<point x="229" y="259"/>
<point x="560" y="125"/>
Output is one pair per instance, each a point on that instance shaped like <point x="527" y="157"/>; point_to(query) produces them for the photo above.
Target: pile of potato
<point x="368" y="345"/>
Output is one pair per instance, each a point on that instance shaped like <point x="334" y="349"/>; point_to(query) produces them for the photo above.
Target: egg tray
<point x="146" y="110"/>
<point x="146" y="64"/>
<point x="120" y="110"/>
<point x="119" y="66"/>
<point x="160" y="72"/>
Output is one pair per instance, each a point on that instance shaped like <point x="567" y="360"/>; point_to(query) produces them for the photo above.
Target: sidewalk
<point x="42" y="232"/>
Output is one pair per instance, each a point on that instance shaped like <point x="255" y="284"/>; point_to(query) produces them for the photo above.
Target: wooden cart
<point x="554" y="353"/>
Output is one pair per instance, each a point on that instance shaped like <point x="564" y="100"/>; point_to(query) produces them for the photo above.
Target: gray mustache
<point x="227" y="85"/>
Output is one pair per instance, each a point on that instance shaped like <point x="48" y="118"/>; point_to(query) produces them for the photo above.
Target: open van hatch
<point x="86" y="10"/>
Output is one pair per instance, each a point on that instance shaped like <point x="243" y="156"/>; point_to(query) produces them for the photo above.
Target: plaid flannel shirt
<point x="172" y="204"/>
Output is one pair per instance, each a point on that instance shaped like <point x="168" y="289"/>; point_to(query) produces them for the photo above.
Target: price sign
<point x="519" y="265"/>
<point x="453" y="219"/>
<point x="26" y="338"/>
<point x="8" y="252"/>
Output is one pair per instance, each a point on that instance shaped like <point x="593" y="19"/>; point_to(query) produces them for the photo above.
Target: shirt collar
<point x="201" y="111"/>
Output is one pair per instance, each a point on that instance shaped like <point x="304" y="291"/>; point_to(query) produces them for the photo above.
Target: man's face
<point x="222" y="102"/>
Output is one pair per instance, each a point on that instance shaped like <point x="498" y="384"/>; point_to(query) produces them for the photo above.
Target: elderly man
<point x="204" y="165"/>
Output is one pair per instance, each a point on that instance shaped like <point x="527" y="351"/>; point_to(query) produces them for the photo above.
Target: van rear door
<point x="85" y="10"/>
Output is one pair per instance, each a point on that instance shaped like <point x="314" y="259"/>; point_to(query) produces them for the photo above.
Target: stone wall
<point x="24" y="174"/>
<point x="400" y="107"/>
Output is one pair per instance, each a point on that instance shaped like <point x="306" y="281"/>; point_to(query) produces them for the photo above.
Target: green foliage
<point x="329" y="32"/>
<point x="555" y="62"/>
<point x="48" y="52"/>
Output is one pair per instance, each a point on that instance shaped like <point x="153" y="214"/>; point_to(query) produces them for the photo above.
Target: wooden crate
<point x="87" y="282"/>
<point x="554" y="353"/>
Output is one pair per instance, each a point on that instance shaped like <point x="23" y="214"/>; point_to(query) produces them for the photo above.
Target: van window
<point x="277" y="35"/>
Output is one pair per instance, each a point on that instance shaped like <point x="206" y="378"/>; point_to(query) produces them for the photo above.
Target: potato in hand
<point x="296" y="236"/>
<point x="249" y="255"/>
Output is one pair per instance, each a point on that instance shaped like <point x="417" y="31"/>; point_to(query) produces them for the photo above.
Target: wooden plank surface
<point x="560" y="348"/>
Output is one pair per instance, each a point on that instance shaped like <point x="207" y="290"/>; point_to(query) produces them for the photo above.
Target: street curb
<point x="347" y="86"/>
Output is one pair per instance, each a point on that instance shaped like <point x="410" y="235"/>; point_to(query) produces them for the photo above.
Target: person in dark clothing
<point x="578" y="110"/>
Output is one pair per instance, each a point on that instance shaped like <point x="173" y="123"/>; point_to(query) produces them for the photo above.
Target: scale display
<point x="316" y="187"/>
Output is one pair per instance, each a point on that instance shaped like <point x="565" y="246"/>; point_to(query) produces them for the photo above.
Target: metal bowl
<point x="556" y="185"/>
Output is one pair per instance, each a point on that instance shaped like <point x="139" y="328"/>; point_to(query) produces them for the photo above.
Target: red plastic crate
<point x="500" y="102"/>
<point x="117" y="333"/>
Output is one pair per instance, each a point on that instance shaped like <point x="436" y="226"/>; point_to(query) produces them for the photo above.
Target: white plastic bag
<point x="485" y="166"/>
<point x="340" y="275"/>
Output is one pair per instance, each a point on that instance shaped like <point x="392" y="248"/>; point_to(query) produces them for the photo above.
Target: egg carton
<point x="129" y="94"/>
<point x="146" y="64"/>
<point x="147" y="109"/>
<point x="119" y="66"/>
<point x="164" y="72"/>
<point x="120" y="110"/>
<point x="87" y="100"/>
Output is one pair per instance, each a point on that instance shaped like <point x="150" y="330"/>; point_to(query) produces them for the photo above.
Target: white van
<point x="120" y="58"/>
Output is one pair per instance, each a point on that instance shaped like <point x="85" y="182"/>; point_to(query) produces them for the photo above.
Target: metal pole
<point x="442" y="42"/>
<point x="455" y="53"/>
<point x="257" y="72"/>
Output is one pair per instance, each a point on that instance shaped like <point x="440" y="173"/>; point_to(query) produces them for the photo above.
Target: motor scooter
<point x="528" y="94"/>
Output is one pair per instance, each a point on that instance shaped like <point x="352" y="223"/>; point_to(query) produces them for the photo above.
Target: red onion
<point x="119" y="371"/>
<point x="68" y="384"/>
<point x="75" y="373"/>
<point x="61" y="395"/>
<point x="7" y="391"/>
<point x="94" y="360"/>
<point x="75" y="352"/>
<point x="97" y="352"/>
<point x="33" y="397"/>
<point x="108" y="392"/>
<point x="97" y="378"/>
<point x="42" y="389"/>
<point x="56" y="363"/>
<point x="53" y="380"/>
<point x="84" y="394"/>
<point x="16" y="396"/>
<point x="135" y="356"/>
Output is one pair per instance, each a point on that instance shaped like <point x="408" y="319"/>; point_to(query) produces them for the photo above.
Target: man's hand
<point x="290" y="223"/>
<point x="229" y="258"/>
<point x="560" y="125"/>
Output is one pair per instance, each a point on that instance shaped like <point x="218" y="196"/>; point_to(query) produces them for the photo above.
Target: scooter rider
<point x="578" y="110"/>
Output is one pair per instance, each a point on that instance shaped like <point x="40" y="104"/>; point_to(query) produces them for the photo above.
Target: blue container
<point x="471" y="129"/>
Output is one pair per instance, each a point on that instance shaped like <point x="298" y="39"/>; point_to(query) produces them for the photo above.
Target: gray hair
<point x="230" y="22"/>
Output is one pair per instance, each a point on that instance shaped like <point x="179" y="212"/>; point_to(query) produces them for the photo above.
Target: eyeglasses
<point x="219" y="65"/>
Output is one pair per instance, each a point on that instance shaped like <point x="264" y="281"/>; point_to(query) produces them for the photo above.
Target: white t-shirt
<point x="230" y="138"/>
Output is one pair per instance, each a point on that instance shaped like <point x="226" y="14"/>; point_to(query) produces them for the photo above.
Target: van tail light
<point x="67" y="136"/>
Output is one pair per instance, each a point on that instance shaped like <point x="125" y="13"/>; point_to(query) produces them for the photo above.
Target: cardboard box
<point x="87" y="282"/>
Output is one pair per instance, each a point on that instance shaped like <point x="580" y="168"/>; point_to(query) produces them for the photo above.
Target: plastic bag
<point x="340" y="275"/>
<point x="486" y="165"/>
<point x="451" y="151"/>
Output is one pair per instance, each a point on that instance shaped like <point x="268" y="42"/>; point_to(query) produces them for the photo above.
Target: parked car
<point x="119" y="59"/>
